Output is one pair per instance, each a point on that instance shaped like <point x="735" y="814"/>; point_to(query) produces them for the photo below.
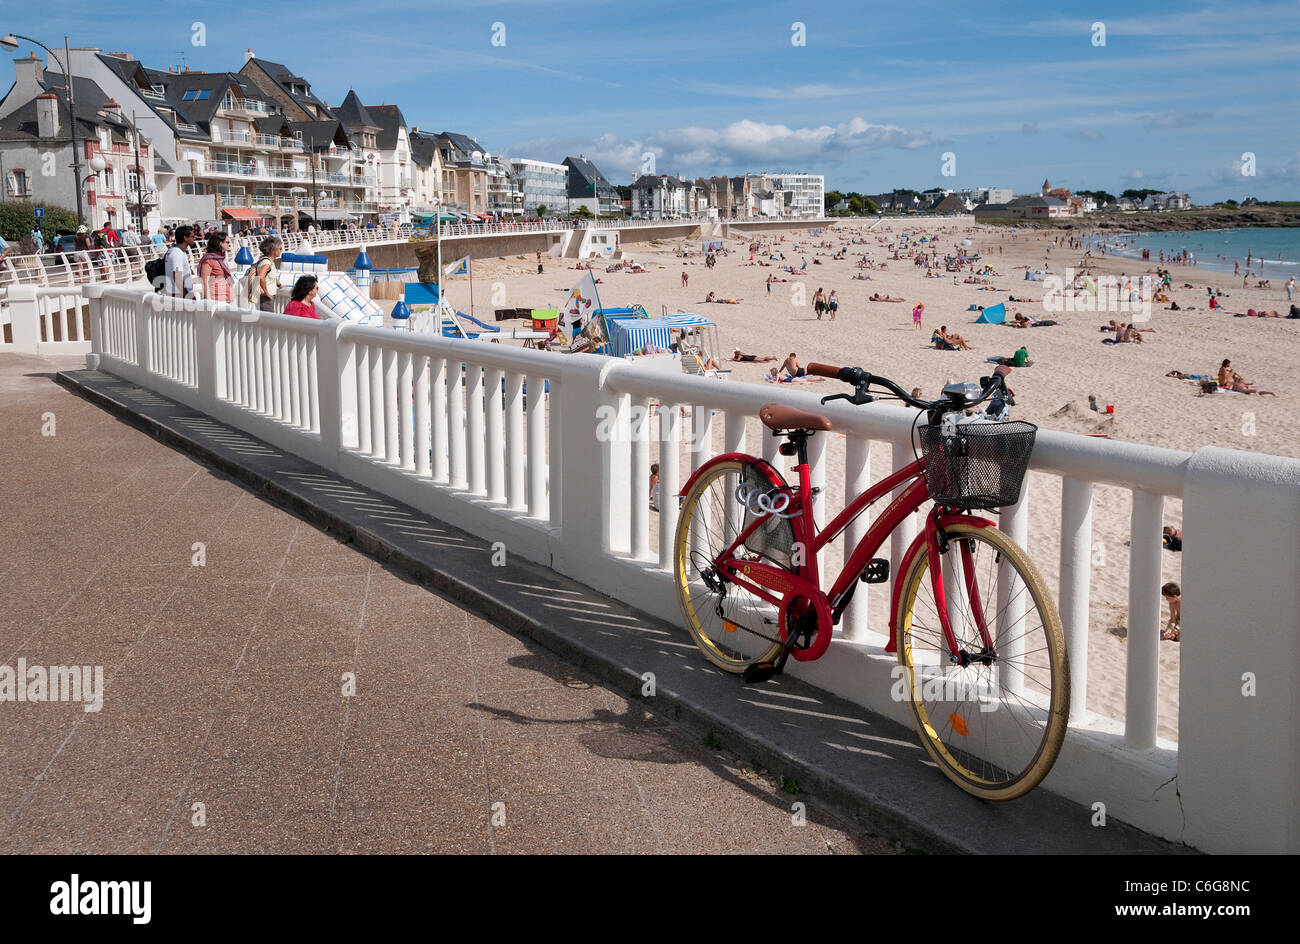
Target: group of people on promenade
<point x="217" y="282"/>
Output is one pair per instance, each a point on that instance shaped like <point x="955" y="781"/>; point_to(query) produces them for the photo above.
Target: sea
<point x="1277" y="248"/>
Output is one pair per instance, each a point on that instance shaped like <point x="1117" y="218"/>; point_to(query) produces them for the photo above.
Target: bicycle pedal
<point x="876" y="571"/>
<point x="757" y="672"/>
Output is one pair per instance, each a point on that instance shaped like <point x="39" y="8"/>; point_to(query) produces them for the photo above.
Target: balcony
<point x="231" y="137"/>
<point x="246" y="106"/>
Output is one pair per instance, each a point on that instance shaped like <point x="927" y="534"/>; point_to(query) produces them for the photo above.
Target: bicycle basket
<point x="774" y="538"/>
<point x="981" y="466"/>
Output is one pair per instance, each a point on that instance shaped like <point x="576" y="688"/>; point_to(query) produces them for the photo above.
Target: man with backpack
<point x="178" y="279"/>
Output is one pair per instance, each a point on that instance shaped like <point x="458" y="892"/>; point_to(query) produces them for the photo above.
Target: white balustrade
<point x="468" y="432"/>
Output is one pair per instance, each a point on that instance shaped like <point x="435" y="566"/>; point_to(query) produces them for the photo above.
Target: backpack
<point x="253" y="284"/>
<point x="155" y="270"/>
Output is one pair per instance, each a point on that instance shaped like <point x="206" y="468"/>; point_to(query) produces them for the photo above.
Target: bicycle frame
<point x="765" y="581"/>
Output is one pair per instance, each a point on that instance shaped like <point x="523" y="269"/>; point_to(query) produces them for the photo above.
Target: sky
<point x="1100" y="95"/>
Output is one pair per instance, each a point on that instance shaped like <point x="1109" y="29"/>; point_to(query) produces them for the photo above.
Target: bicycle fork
<point x="945" y="583"/>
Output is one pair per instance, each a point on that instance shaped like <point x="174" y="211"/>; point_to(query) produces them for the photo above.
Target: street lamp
<point x="10" y="42"/>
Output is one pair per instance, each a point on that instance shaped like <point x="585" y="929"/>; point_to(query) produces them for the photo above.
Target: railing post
<point x="337" y="390"/>
<point x="95" y="302"/>
<point x="24" y="319"/>
<point x="1142" y="678"/>
<point x="1076" y="570"/>
<point x="1238" y="698"/>
<point x="582" y="457"/>
<point x="205" y="353"/>
<point x="147" y="306"/>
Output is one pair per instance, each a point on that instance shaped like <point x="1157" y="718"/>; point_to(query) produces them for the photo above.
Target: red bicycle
<point x="981" y="653"/>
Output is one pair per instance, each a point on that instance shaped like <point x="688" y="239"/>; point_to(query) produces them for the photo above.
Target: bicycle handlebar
<point x="862" y="380"/>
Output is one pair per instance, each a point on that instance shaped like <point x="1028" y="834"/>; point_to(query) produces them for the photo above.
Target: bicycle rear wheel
<point x="994" y="719"/>
<point x="730" y="625"/>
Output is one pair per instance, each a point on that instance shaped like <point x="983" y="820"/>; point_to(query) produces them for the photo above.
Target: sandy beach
<point x="1069" y="363"/>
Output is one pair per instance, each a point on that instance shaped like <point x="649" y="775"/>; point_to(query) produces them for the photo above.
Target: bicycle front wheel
<point x="993" y="716"/>
<point x="731" y="626"/>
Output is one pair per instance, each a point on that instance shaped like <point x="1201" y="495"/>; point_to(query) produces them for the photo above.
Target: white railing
<point x="45" y="321"/>
<point x="550" y="454"/>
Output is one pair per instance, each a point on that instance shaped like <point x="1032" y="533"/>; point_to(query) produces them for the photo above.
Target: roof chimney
<point x="29" y="73"/>
<point x="47" y="115"/>
<point x="248" y="54"/>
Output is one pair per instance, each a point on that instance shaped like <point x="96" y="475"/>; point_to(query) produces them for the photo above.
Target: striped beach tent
<point x="627" y="336"/>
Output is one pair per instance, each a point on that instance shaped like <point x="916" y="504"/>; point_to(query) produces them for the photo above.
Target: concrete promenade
<point x="223" y="683"/>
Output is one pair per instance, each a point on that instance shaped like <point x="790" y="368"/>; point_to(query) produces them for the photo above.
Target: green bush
<point x="17" y="221"/>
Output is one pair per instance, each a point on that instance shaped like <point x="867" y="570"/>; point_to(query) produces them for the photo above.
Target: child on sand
<point x="916" y="315"/>
<point x="1173" y="595"/>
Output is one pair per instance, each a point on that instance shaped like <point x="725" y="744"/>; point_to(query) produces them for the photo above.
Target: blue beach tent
<point x="996" y="314"/>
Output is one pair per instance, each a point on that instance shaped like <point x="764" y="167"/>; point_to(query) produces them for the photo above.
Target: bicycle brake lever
<point x="836" y="396"/>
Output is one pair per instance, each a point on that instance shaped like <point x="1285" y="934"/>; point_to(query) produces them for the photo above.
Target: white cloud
<point x="752" y="145"/>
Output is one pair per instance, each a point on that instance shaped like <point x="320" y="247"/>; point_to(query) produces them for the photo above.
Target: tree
<point x="582" y="212"/>
<point x="624" y="191"/>
<point x="870" y="206"/>
<point x="1138" y="196"/>
<point x="541" y="209"/>
<point x="17" y="220"/>
<point x="831" y="198"/>
<point x="1101" y="196"/>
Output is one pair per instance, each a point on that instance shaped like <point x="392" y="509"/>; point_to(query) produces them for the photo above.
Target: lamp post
<point x="10" y="42"/>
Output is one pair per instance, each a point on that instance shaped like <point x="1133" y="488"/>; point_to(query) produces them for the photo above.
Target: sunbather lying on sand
<point x="775" y="376"/>
<point x="738" y="355"/>
<point x="877" y="297"/>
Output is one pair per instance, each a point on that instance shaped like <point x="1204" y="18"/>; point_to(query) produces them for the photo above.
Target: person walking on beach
<point x="833" y="304"/>
<point x="1290" y="287"/>
<point x="916" y="315"/>
<point x="769" y="285"/>
<point x="685" y="278"/>
<point x="819" y="303"/>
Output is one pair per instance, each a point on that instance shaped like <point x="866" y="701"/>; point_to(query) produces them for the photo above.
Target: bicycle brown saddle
<point x="777" y="416"/>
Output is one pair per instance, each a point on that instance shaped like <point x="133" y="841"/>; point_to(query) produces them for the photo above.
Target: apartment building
<point x="541" y="184"/>
<point x="588" y="187"/>
<point x="237" y="154"/>
<point x="426" y="173"/>
<point x="661" y="196"/>
<point x="466" y="169"/>
<point x="807" y="194"/>
<point x="36" y="150"/>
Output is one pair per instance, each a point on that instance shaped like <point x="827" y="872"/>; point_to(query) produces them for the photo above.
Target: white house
<point x="118" y="187"/>
<point x="661" y="196"/>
